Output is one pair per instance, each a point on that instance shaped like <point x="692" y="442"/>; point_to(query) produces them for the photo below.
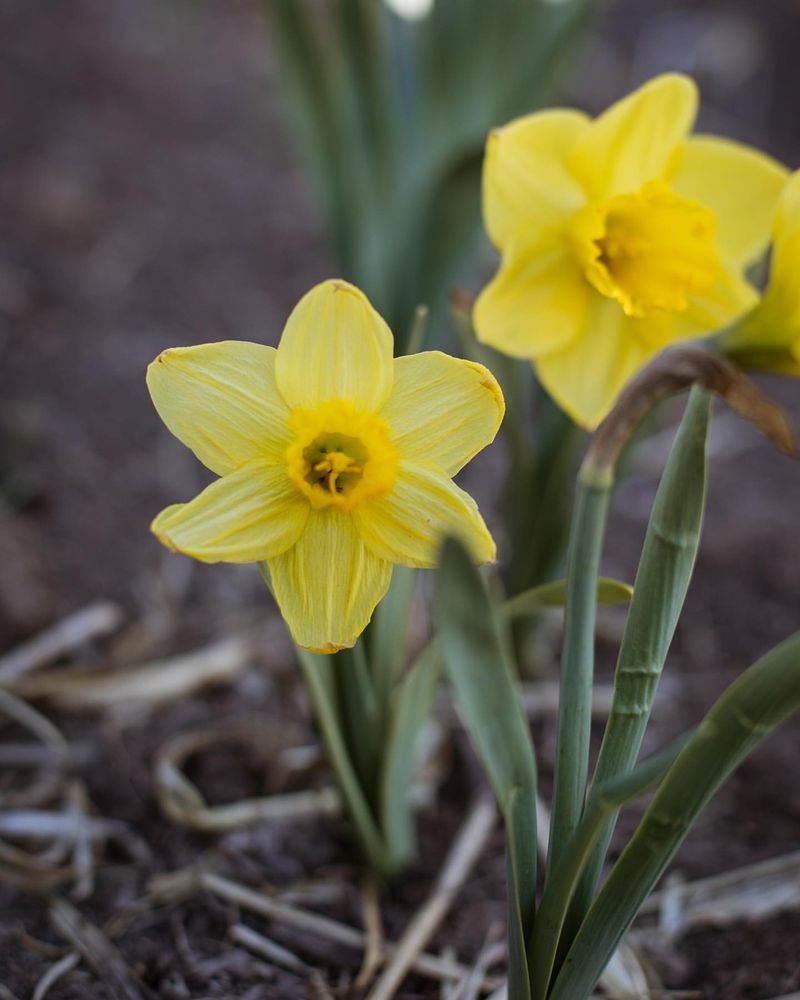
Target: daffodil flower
<point x="335" y="460"/>
<point x="769" y="336"/>
<point x="618" y="236"/>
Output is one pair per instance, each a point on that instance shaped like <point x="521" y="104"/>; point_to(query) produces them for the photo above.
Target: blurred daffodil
<point x="335" y="460"/>
<point x="618" y="236"/>
<point x="768" y="337"/>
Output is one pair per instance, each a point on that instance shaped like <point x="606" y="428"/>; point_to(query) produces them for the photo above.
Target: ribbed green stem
<point x="603" y="801"/>
<point x="762" y="698"/>
<point x="577" y="660"/>
<point x="662" y="580"/>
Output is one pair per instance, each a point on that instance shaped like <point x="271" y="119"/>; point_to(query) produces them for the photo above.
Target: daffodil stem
<point x="386" y="639"/>
<point x="544" y="470"/>
<point x="360" y="717"/>
<point x="662" y="580"/>
<point x="577" y="661"/>
<point x="320" y="677"/>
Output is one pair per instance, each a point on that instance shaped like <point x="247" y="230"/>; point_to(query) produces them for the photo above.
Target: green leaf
<point x="411" y="706"/>
<point x="763" y="697"/>
<point x="321" y="683"/>
<point x="359" y="714"/>
<point x="519" y="984"/>
<point x="662" y="579"/>
<point x="604" y="800"/>
<point x="577" y="658"/>
<point x="554" y="595"/>
<point x="387" y="635"/>
<point x="486" y="693"/>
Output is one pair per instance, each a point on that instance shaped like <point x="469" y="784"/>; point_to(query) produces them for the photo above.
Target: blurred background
<point x="153" y="193"/>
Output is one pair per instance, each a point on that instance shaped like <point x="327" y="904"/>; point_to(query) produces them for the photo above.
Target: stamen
<point x="340" y="457"/>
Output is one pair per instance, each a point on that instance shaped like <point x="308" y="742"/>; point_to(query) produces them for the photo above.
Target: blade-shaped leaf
<point x="554" y="595"/>
<point x="318" y="672"/>
<point x="410" y="708"/>
<point x="387" y="634"/>
<point x="604" y="800"/>
<point x="485" y="687"/>
<point x="519" y="984"/>
<point x="577" y="658"/>
<point x="763" y="697"/>
<point x="662" y="579"/>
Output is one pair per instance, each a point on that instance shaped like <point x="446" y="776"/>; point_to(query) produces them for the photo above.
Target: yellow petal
<point x="221" y="401"/>
<point x="740" y="185"/>
<point x="728" y="297"/>
<point x="251" y="514"/>
<point x="526" y="182"/>
<point x="775" y="322"/>
<point x="327" y="585"/>
<point x="442" y="410"/>
<point x="783" y="292"/>
<point x="586" y="378"/>
<point x="335" y="346"/>
<point x="636" y="139"/>
<point x="537" y="301"/>
<point x="407" y="526"/>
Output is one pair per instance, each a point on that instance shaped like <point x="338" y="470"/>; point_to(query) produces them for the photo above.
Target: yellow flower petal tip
<point x="335" y="460"/>
<point x="331" y="647"/>
<point x="618" y="236"/>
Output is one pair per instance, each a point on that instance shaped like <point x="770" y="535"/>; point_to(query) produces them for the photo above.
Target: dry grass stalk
<point x="753" y="892"/>
<point x="264" y="948"/>
<point x="149" y="685"/>
<point x="49" y="781"/>
<point x="54" y="973"/>
<point x="184" y="804"/>
<point x="431" y="966"/>
<point x="373" y="926"/>
<point x="90" y="622"/>
<point x="97" y="951"/>
<point x="467" y="848"/>
<point x="492" y="951"/>
<point x="625" y="977"/>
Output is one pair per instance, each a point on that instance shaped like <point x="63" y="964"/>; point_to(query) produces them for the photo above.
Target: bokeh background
<point x="152" y="195"/>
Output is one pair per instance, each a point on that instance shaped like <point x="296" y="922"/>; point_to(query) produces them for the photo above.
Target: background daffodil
<point x="618" y="236"/>
<point x="335" y="460"/>
<point x="769" y="336"/>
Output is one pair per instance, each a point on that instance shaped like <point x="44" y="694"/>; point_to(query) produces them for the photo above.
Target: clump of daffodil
<point x="768" y="337"/>
<point x="335" y="460"/>
<point x="619" y="236"/>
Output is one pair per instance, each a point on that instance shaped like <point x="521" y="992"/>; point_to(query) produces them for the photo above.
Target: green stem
<point x="763" y="697"/>
<point x="603" y="801"/>
<point x="358" y="708"/>
<point x="577" y="662"/>
<point x="662" y="580"/>
<point x="386" y="640"/>
<point x="321" y="682"/>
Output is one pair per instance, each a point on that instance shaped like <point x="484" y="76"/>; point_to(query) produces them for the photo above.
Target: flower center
<point x="647" y="250"/>
<point x="340" y="457"/>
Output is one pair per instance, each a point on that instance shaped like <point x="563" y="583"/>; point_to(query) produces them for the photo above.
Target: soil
<point x="150" y="197"/>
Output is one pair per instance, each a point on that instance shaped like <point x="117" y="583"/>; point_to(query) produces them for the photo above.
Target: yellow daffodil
<point x="618" y="236"/>
<point x="335" y="460"/>
<point x="769" y="336"/>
